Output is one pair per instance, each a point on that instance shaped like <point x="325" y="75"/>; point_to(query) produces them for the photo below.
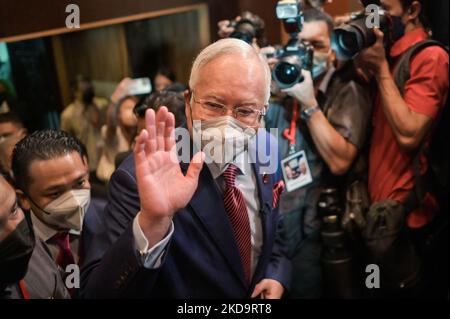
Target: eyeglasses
<point x="245" y="114"/>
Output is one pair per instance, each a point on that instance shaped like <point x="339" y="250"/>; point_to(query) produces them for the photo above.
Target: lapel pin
<point x="265" y="178"/>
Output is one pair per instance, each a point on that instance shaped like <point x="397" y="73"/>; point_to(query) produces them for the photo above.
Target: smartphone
<point x="140" y="86"/>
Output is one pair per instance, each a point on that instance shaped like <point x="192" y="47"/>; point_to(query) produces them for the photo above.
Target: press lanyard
<point x="290" y="133"/>
<point x="24" y="290"/>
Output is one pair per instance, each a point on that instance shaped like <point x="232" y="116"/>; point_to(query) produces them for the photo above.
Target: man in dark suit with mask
<point x="204" y="226"/>
<point x="51" y="174"/>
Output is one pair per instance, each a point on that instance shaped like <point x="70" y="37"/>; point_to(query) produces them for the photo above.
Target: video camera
<point x="296" y="55"/>
<point x="357" y="34"/>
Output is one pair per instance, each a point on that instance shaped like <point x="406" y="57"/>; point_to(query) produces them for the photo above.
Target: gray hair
<point x="225" y="47"/>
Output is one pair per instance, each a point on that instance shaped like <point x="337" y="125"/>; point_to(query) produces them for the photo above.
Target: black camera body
<point x="248" y="27"/>
<point x="296" y="55"/>
<point x="243" y="30"/>
<point x="357" y="34"/>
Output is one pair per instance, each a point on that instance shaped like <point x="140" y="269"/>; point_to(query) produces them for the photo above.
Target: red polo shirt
<point x="391" y="173"/>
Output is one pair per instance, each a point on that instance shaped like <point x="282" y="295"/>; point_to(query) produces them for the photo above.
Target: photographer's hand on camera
<point x="304" y="91"/>
<point x="224" y="29"/>
<point x="374" y="59"/>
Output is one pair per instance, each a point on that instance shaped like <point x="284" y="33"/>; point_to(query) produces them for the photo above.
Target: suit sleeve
<point x="113" y="267"/>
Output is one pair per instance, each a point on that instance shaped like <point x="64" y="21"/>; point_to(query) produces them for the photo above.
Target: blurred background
<point x="40" y="57"/>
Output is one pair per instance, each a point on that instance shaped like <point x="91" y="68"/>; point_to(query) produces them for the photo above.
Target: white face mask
<point x="68" y="210"/>
<point x="320" y="64"/>
<point x="222" y="138"/>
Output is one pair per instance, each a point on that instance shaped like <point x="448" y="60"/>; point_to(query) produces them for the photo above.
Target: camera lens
<point x="287" y="75"/>
<point x="356" y="35"/>
<point x="348" y="43"/>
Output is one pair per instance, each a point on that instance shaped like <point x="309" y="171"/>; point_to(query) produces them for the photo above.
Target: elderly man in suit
<point x="201" y="226"/>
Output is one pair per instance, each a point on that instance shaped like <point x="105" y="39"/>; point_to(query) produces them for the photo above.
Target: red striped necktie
<point x="65" y="256"/>
<point x="238" y="216"/>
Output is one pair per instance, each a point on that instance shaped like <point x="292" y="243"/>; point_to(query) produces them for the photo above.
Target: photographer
<point x="326" y="116"/>
<point x="248" y="27"/>
<point x="406" y="113"/>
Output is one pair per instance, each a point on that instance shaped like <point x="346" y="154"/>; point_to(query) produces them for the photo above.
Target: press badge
<point x="296" y="172"/>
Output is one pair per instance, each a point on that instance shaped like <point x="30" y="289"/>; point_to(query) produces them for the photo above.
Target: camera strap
<point x="290" y="133"/>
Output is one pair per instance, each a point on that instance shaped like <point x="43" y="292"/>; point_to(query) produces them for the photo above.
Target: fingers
<point x="160" y="128"/>
<point x="223" y="23"/>
<point x="169" y="132"/>
<point x="150" y="143"/>
<point x="379" y="35"/>
<point x="307" y="76"/>
<point x="124" y="83"/>
<point x="224" y="29"/>
<point x="268" y="289"/>
<point x="259" y="288"/>
<point x="272" y="62"/>
<point x="195" y="166"/>
<point x="121" y="90"/>
<point x="161" y="117"/>
<point x="140" y="157"/>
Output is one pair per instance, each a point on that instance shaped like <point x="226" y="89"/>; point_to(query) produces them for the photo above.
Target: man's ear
<point x="414" y="11"/>
<point x="187" y="96"/>
<point x="85" y="160"/>
<point x="332" y="58"/>
<point x="24" y="201"/>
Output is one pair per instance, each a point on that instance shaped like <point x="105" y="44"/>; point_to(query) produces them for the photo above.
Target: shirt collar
<point x="241" y="162"/>
<point x="408" y="40"/>
<point x="44" y="231"/>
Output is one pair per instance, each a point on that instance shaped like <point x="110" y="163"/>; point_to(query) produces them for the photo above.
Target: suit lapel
<point x="265" y="193"/>
<point x="207" y="204"/>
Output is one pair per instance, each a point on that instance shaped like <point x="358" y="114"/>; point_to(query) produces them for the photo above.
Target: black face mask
<point x="15" y="253"/>
<point x="398" y="28"/>
<point x="88" y="96"/>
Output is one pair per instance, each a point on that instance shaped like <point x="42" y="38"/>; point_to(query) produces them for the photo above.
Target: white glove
<point x="304" y="91"/>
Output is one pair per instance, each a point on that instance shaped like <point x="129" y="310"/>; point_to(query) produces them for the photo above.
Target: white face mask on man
<point x="222" y="138"/>
<point x="67" y="211"/>
<point x="320" y="64"/>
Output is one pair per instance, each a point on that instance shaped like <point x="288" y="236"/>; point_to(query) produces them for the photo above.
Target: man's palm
<point x="163" y="189"/>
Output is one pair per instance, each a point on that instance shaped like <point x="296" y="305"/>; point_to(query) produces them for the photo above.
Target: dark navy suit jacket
<point x="202" y="259"/>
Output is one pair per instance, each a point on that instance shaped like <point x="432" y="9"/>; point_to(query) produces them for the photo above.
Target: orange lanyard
<point x="24" y="290"/>
<point x="290" y="133"/>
